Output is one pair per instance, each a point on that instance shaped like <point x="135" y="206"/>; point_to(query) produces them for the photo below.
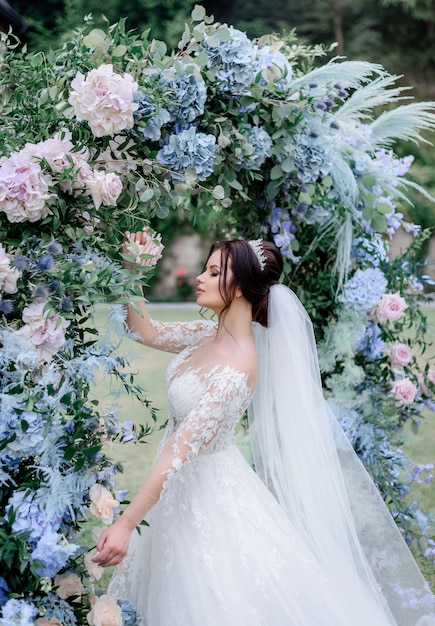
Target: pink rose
<point x="104" y="99"/>
<point x="105" y="188"/>
<point x="8" y="275"/>
<point x="69" y="586"/>
<point x="404" y="391"/>
<point x="400" y="354"/>
<point x="94" y="570"/>
<point x="105" y="612"/>
<point x="103" y="503"/>
<point x="390" y="308"/>
<point x="24" y="189"/>
<point x="153" y="248"/>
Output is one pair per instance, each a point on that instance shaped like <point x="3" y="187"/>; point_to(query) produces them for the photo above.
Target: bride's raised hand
<point x="144" y="245"/>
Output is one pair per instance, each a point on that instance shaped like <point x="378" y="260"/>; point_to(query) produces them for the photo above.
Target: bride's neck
<point x="235" y="322"/>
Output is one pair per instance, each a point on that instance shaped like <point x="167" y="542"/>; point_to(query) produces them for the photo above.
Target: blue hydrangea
<point x="349" y="420"/>
<point x="371" y="344"/>
<point x="18" y="613"/>
<point x="256" y="149"/>
<point x="149" y="117"/>
<point x="28" y="515"/>
<point x="54" y="606"/>
<point x="128" y="613"/>
<point x="234" y="62"/>
<point x="52" y="553"/>
<point x="364" y="290"/>
<point x="28" y="430"/>
<point x="311" y="158"/>
<point x="188" y="93"/>
<point x="188" y="149"/>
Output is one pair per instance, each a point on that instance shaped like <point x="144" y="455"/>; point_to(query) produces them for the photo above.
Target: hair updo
<point x="247" y="275"/>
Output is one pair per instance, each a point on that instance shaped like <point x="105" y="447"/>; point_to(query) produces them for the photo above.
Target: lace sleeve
<point x="175" y="336"/>
<point x="211" y="424"/>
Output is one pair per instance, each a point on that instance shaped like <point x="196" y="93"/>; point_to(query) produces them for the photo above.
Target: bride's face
<point x="208" y="294"/>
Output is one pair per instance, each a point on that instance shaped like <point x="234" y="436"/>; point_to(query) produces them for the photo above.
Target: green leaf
<point x="119" y="51"/>
<point x="287" y="165"/>
<point x="379" y="223"/>
<point x="198" y="13"/>
<point x="223" y="34"/>
<point x="383" y="207"/>
<point x="202" y="59"/>
<point x="146" y="195"/>
<point x="218" y="192"/>
<point x="276" y="172"/>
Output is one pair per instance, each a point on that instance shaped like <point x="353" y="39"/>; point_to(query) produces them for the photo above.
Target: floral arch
<point x="111" y="132"/>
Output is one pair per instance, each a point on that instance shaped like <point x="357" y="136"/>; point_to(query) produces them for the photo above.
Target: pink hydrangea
<point x="431" y="376"/>
<point x="400" y="354"/>
<point x="47" y="334"/>
<point x="404" y="391"/>
<point x="60" y="155"/>
<point x="104" y="99"/>
<point x="8" y="275"/>
<point x="24" y="189"/>
<point x="105" y="188"/>
<point x="390" y="307"/>
<point x="152" y="247"/>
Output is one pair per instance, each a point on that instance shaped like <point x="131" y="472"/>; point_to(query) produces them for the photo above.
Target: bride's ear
<point x="238" y="292"/>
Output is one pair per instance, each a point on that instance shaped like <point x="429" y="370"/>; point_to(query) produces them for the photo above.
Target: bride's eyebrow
<point x="215" y="266"/>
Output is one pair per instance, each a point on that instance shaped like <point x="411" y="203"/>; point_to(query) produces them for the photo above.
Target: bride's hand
<point x="144" y="245"/>
<point x="113" y="544"/>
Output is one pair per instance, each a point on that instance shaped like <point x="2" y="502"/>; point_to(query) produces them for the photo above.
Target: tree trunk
<point x="338" y="25"/>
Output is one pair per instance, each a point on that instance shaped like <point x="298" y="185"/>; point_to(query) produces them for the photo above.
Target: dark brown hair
<point x="247" y="274"/>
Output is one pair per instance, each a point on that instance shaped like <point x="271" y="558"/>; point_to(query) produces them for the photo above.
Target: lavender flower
<point x="188" y="149"/>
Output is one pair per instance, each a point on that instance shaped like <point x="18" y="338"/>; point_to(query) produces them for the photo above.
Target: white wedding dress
<point x="219" y="549"/>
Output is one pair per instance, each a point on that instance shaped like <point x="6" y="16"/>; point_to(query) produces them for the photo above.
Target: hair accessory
<point x="258" y="251"/>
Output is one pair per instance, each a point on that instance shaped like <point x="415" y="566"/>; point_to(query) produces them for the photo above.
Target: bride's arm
<point x="168" y="336"/>
<point x="216" y="414"/>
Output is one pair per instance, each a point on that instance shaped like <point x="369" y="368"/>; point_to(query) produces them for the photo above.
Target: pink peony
<point x="400" y="354"/>
<point x="24" y="189"/>
<point x="404" y="391"/>
<point x="68" y="586"/>
<point x="390" y="308"/>
<point x="102" y="503"/>
<point x="105" y="612"/>
<point x="94" y="570"/>
<point x="153" y="248"/>
<point x="47" y="334"/>
<point x="8" y="275"/>
<point x="104" y="99"/>
<point x="105" y="188"/>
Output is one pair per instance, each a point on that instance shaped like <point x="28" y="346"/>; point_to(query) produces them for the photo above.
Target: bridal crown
<point x="258" y="251"/>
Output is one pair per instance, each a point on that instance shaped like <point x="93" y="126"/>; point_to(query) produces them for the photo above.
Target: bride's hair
<point x="247" y="274"/>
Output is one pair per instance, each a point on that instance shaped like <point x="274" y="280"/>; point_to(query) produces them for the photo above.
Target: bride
<point x="305" y="540"/>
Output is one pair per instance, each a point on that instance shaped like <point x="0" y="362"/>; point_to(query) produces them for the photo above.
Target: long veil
<point x="303" y="456"/>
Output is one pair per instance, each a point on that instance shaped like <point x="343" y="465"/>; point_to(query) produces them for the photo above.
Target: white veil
<point x="304" y="458"/>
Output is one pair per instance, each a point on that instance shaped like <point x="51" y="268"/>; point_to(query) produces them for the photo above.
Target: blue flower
<point x="311" y="158"/>
<point x="188" y="93"/>
<point x="4" y="590"/>
<point x="188" y="149"/>
<point x="363" y="291"/>
<point x="54" y="248"/>
<point x="27" y="431"/>
<point x="128" y="613"/>
<point x="256" y="149"/>
<point x="53" y="606"/>
<point x="369" y="251"/>
<point x="150" y="117"/>
<point x="52" y="552"/>
<point x="234" y="62"/>
<point x="371" y="345"/>
<point x="274" y="67"/>
<point x="18" y="613"/>
<point x="45" y="262"/>
<point x="283" y="231"/>
<point x="28" y="516"/>
<point x="20" y="263"/>
<point x="67" y="305"/>
<point x="6" y="307"/>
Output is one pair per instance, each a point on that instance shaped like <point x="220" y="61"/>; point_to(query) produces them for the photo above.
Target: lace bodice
<point x="205" y="404"/>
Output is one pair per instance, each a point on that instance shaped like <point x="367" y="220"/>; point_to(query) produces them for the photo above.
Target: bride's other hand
<point x="112" y="546"/>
